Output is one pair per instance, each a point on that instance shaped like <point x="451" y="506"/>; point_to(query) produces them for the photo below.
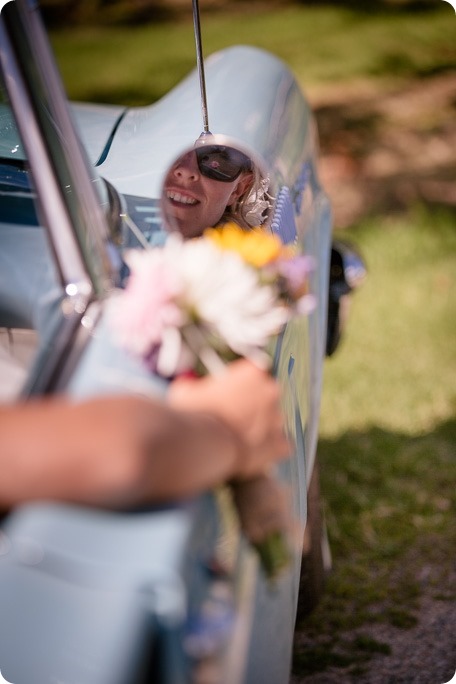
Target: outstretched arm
<point x="126" y="450"/>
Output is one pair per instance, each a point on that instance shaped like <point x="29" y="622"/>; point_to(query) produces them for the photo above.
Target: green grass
<point x="388" y="436"/>
<point x="398" y="358"/>
<point x="137" y="65"/>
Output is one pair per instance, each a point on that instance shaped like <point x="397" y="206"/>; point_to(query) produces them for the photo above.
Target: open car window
<point x="54" y="238"/>
<point x="30" y="289"/>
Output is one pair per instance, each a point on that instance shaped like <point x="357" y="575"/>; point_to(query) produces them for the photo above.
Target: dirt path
<point x="382" y="151"/>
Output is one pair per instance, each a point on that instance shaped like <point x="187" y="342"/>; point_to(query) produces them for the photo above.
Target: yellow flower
<point x="255" y="246"/>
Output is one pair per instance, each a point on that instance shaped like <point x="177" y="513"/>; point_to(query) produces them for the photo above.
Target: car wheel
<point x="316" y="555"/>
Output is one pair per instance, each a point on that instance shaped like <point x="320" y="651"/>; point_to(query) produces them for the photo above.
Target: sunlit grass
<point x="387" y="441"/>
<point x="396" y="367"/>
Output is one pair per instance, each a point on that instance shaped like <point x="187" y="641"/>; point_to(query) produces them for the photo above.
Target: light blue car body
<point x="88" y="595"/>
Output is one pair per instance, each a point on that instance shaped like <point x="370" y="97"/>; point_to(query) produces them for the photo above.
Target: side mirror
<point x="347" y="272"/>
<point x="214" y="182"/>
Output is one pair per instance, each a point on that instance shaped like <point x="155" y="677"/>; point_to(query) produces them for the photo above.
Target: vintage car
<point x="170" y="594"/>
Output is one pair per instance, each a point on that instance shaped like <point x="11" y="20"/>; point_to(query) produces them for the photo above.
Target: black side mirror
<point x="347" y="272"/>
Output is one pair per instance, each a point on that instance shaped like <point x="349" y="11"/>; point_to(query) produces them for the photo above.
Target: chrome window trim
<point x="68" y="189"/>
<point x="63" y="177"/>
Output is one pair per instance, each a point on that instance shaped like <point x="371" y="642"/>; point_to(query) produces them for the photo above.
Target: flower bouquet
<point x="193" y="306"/>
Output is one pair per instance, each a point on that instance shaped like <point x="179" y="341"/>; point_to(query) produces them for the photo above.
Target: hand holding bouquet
<point x="191" y="307"/>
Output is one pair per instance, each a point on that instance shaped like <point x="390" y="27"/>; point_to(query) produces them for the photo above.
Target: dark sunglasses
<point x="221" y="163"/>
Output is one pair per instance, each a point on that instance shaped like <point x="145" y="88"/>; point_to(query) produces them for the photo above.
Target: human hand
<point x="265" y="515"/>
<point x="247" y="399"/>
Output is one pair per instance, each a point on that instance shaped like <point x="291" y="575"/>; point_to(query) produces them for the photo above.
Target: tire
<point x="316" y="557"/>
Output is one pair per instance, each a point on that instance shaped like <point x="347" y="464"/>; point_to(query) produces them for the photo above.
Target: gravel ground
<point x="424" y="654"/>
<point x="380" y="153"/>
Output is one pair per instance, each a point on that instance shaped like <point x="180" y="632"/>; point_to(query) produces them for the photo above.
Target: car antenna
<point x="200" y="63"/>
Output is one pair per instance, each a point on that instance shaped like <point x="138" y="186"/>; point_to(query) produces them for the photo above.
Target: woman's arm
<point x="127" y="450"/>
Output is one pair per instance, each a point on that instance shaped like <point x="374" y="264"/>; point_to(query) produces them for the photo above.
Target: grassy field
<point x="388" y="429"/>
<point x="396" y="369"/>
<point x="387" y="446"/>
<point x="137" y="65"/>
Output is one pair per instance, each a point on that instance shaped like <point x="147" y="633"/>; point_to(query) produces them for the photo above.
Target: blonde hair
<point x="253" y="207"/>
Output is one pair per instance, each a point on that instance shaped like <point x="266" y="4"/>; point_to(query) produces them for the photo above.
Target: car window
<point x="55" y="256"/>
<point x="30" y="291"/>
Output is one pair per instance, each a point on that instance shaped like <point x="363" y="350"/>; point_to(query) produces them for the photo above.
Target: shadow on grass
<point x="383" y="489"/>
<point x="59" y="13"/>
<point x="390" y="502"/>
<point x="377" y="6"/>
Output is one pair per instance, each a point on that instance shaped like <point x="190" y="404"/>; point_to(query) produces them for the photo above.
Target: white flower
<point x="225" y="294"/>
<point x="193" y="294"/>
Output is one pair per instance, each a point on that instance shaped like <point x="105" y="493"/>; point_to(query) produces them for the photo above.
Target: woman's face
<point x="194" y="202"/>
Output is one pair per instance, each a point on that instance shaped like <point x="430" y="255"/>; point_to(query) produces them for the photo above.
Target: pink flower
<point x="147" y="308"/>
<point x="296" y="272"/>
<point x="191" y="301"/>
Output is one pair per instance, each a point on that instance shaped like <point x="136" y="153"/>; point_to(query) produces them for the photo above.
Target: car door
<point x="165" y="594"/>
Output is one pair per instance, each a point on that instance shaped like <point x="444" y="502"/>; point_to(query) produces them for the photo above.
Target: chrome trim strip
<point x="235" y="659"/>
<point x="54" y="212"/>
<point x="64" y="179"/>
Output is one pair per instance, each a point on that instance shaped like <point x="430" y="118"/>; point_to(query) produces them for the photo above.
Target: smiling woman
<point x="211" y="184"/>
